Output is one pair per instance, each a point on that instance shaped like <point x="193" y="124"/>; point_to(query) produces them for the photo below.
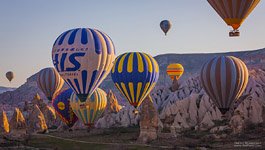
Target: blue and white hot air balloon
<point x="83" y="57"/>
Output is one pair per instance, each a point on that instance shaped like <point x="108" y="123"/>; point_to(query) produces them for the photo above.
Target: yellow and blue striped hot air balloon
<point x="83" y="57"/>
<point x="135" y="75"/>
<point x="90" y="110"/>
<point x="175" y="71"/>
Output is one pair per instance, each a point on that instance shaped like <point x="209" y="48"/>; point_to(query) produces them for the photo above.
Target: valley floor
<point x="126" y="138"/>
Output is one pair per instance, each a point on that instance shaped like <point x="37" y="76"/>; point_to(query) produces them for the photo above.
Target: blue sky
<point x="28" y="29"/>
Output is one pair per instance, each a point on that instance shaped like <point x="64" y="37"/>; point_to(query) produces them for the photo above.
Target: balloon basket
<point x="83" y="105"/>
<point x="135" y="112"/>
<point x="89" y="127"/>
<point x="234" y="33"/>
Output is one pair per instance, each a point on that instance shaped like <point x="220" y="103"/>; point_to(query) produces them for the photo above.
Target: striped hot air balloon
<point x="234" y="12"/>
<point x="83" y="57"/>
<point x="61" y="104"/>
<point x="175" y="71"/>
<point x="135" y="75"/>
<point x="92" y="109"/>
<point x="224" y="79"/>
<point x="50" y="82"/>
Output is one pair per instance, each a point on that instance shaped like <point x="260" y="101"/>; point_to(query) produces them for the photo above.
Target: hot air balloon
<point x="224" y="79"/>
<point x="233" y="12"/>
<point x="90" y="110"/>
<point x="165" y="25"/>
<point x="175" y="71"/>
<point x="10" y="75"/>
<point x="135" y="75"/>
<point x="50" y="82"/>
<point x="83" y="57"/>
<point x="61" y="104"/>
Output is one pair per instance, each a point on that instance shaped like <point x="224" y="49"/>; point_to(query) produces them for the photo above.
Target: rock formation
<point x="49" y="115"/>
<point x="48" y="112"/>
<point x="148" y="121"/>
<point x="237" y="122"/>
<point x="4" y="125"/>
<point x="79" y="125"/>
<point x="116" y="115"/>
<point x="124" y="118"/>
<point x="175" y="85"/>
<point x="263" y="115"/>
<point x="62" y="127"/>
<point x="190" y="108"/>
<point x="23" y="93"/>
<point x="37" y="123"/>
<point x="113" y="105"/>
<point x="17" y="125"/>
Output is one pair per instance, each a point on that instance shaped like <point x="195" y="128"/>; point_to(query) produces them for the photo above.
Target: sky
<point x="29" y="28"/>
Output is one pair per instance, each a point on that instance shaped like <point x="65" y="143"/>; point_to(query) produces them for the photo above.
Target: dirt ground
<point x="126" y="138"/>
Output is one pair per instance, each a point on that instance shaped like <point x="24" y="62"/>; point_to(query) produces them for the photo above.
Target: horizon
<point x="160" y="55"/>
<point x="29" y="29"/>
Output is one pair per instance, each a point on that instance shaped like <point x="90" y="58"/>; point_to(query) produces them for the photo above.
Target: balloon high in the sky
<point x="90" y="110"/>
<point x="10" y="76"/>
<point x="165" y="25"/>
<point x="83" y="57"/>
<point x="62" y="107"/>
<point x="224" y="79"/>
<point x="175" y="71"/>
<point x="135" y="74"/>
<point x="233" y="12"/>
<point x="50" y="82"/>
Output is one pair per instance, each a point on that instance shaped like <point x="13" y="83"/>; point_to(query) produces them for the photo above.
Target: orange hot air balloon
<point x="233" y="12"/>
<point x="175" y="71"/>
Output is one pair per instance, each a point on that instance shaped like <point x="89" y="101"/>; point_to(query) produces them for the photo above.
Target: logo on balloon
<point x="60" y="60"/>
<point x="61" y="105"/>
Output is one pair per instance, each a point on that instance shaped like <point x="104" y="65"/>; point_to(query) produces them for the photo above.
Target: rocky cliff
<point x="187" y="107"/>
<point x="190" y="108"/>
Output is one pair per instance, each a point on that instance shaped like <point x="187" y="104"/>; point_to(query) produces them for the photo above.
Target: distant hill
<point x="5" y="89"/>
<point x="191" y="62"/>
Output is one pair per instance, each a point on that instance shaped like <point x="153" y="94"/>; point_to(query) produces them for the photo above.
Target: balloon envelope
<point x="83" y="57"/>
<point x="234" y="12"/>
<point x="165" y="25"/>
<point x="135" y="75"/>
<point x="10" y="76"/>
<point x="224" y="79"/>
<point x="90" y="110"/>
<point x="63" y="109"/>
<point x="175" y="71"/>
<point x="50" y="82"/>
